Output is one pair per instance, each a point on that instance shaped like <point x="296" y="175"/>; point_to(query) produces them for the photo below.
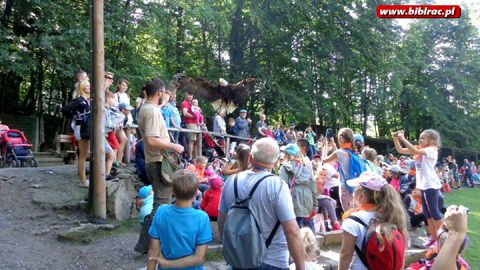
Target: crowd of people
<point x="302" y="186"/>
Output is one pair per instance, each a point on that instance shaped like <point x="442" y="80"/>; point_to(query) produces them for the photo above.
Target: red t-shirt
<point x="210" y="202"/>
<point x="188" y="120"/>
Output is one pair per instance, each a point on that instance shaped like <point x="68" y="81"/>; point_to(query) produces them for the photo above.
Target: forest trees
<point x="330" y="63"/>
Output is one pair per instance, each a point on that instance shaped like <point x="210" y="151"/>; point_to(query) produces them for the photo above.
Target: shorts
<point x="108" y="148"/>
<point x="112" y="140"/>
<point x="76" y="132"/>
<point x="192" y="136"/>
<point x="221" y="138"/>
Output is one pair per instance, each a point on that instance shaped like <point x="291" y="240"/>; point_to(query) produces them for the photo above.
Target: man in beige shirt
<point x="155" y="135"/>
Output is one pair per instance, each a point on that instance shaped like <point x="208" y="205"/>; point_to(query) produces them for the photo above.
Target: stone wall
<point x="122" y="194"/>
<point x="26" y="124"/>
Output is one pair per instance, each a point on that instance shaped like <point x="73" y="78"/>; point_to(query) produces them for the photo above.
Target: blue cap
<point x="293" y="150"/>
<point x="292" y="124"/>
<point x="243" y="111"/>
<point x="124" y="106"/>
<point x="359" y="137"/>
<point x="143" y="193"/>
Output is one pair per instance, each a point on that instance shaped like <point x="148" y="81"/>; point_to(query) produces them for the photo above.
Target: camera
<point x="400" y="132"/>
<point x="331" y="134"/>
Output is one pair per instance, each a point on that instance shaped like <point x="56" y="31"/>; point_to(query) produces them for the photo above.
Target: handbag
<point x="171" y="163"/>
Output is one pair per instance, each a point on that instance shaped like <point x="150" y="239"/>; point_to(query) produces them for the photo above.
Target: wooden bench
<point x="71" y="154"/>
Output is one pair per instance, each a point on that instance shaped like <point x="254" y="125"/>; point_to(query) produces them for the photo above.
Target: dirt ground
<point x="38" y="203"/>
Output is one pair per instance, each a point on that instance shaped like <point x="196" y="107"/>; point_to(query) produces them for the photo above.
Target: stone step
<point x="42" y="154"/>
<point x="48" y="159"/>
<point x="50" y="164"/>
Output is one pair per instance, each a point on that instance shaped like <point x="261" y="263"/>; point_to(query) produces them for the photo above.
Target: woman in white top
<point x="426" y="155"/>
<point x="121" y="96"/>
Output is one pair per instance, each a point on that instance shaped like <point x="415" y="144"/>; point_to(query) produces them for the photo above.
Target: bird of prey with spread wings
<point x="224" y="96"/>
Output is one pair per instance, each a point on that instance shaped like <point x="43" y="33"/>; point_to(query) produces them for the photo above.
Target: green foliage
<point x="327" y="63"/>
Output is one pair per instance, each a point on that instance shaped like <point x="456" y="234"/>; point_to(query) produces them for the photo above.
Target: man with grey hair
<point x="273" y="203"/>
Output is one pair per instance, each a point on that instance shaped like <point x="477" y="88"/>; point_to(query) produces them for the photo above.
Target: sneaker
<point x="110" y="178"/>
<point x="430" y="243"/>
<point x="116" y="164"/>
<point x="336" y="227"/>
<point x="85" y="185"/>
<point x="328" y="225"/>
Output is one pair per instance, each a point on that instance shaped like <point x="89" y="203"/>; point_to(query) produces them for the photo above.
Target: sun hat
<point x="396" y="169"/>
<point x="293" y="150"/>
<point x="282" y="149"/>
<point x="124" y="106"/>
<point x="368" y="180"/>
<point x="143" y="193"/>
<point x="359" y="137"/>
<point x="215" y="181"/>
<point x="243" y="111"/>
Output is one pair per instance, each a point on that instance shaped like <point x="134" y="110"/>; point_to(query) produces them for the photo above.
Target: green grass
<point x="124" y="226"/>
<point x="217" y="256"/>
<point x="470" y="199"/>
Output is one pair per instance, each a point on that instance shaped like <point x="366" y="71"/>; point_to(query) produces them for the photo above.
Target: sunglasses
<point x="110" y="78"/>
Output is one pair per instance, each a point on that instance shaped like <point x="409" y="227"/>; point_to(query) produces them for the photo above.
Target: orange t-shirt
<point x="197" y="170"/>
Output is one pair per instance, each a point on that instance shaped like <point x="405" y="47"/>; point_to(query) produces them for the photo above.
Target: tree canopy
<point x="316" y="62"/>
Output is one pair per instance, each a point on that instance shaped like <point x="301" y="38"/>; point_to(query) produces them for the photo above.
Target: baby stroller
<point x="15" y="151"/>
<point x="210" y="148"/>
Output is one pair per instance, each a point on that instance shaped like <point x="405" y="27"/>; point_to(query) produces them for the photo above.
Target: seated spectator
<point x="326" y="201"/>
<point x="198" y="167"/>
<point x="146" y="202"/>
<point x="269" y="132"/>
<point x="239" y="162"/>
<point x="396" y="174"/>
<point x="413" y="205"/>
<point x="211" y="200"/>
<point x="310" y="247"/>
<point x="174" y="246"/>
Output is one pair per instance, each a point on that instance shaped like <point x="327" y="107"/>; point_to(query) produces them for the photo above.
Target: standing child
<point x="211" y="200"/>
<point x="197" y="112"/>
<point x="426" y="155"/>
<point x="380" y="206"/>
<point x="232" y="131"/>
<point x="180" y="234"/>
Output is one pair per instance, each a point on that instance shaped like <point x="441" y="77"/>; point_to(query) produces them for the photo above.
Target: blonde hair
<point x="79" y="90"/>
<point x="309" y="240"/>
<point x="434" y="137"/>
<point x="201" y="159"/>
<point x="389" y="210"/>
<point x="108" y="73"/>
<point x="347" y="134"/>
<point x="109" y="94"/>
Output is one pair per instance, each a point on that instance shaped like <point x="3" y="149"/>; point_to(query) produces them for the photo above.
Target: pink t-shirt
<point x="395" y="183"/>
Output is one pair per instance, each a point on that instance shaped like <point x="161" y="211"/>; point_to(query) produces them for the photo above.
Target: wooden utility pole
<point x="98" y="110"/>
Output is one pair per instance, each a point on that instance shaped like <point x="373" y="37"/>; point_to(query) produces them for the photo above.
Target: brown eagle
<point x="224" y="96"/>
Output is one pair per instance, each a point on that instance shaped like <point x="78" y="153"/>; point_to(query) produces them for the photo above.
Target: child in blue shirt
<point x="177" y="243"/>
<point x="146" y="202"/>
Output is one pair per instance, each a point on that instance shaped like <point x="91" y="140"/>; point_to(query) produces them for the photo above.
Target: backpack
<point x="371" y="255"/>
<point x="356" y="168"/>
<point x="243" y="244"/>
<point x="405" y="190"/>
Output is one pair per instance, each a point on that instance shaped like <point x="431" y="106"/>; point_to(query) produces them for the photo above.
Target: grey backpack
<point x="243" y="244"/>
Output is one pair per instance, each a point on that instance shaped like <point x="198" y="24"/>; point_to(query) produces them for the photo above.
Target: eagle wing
<point x="240" y="92"/>
<point x="200" y="88"/>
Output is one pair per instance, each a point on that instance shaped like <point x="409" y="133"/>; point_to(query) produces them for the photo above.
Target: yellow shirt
<point x="152" y="124"/>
